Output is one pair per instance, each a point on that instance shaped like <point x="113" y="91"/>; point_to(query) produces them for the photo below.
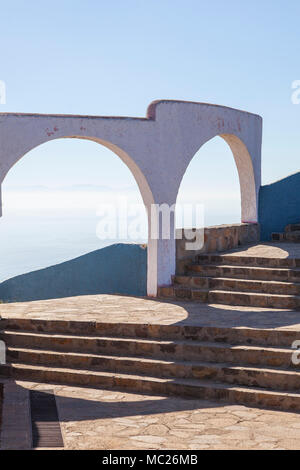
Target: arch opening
<point x="35" y="188"/>
<point x="223" y="185"/>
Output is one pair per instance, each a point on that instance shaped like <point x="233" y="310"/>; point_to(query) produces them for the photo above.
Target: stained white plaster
<point x="157" y="149"/>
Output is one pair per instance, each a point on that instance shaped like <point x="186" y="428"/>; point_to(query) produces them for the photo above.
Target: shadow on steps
<point x="117" y="269"/>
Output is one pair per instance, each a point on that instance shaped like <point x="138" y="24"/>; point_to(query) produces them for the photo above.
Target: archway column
<point x="248" y="175"/>
<point x="161" y="246"/>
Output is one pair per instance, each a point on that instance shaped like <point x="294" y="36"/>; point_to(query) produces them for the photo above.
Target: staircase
<point x="235" y="365"/>
<point x="239" y="280"/>
<point x="291" y="234"/>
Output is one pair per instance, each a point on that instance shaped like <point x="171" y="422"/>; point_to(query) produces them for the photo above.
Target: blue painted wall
<point x="116" y="269"/>
<point x="279" y="205"/>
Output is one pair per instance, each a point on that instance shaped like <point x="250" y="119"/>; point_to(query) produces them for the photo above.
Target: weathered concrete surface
<point x="109" y="420"/>
<point x="157" y="150"/>
<point x="216" y="238"/>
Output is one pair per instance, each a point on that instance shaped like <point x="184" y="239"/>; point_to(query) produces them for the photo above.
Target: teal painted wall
<point x="279" y="205"/>
<point x="116" y="269"/>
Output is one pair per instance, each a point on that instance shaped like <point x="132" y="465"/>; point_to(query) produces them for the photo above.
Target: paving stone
<point x="82" y="434"/>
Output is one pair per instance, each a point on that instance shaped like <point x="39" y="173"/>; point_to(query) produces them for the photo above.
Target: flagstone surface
<point x="268" y="250"/>
<point x="101" y="419"/>
<point x="125" y="309"/>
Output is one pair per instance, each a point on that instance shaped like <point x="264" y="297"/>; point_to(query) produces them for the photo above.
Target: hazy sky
<point x="113" y="57"/>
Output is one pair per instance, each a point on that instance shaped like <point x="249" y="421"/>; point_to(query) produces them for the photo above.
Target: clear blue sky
<point x="115" y="57"/>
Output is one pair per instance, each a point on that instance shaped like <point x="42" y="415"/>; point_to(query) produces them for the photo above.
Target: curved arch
<point x="157" y="150"/>
<point x="139" y="177"/>
<point x="143" y="186"/>
<point x="245" y="170"/>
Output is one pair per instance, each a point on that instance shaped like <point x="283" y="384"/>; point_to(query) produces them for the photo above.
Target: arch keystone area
<point x="157" y="150"/>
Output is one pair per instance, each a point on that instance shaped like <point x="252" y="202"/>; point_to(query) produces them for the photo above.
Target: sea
<point x="31" y="241"/>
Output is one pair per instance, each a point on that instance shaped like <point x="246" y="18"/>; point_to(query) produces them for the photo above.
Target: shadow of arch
<point x="97" y="409"/>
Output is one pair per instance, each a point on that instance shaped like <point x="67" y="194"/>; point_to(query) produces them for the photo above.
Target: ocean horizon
<point x="33" y="241"/>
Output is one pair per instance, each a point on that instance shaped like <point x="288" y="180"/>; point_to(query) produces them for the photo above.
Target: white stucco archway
<point x="157" y="150"/>
<point x="244" y="166"/>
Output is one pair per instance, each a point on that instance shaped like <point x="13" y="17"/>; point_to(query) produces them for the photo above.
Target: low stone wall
<point x="216" y="238"/>
<point x="116" y="269"/>
<point x="279" y="205"/>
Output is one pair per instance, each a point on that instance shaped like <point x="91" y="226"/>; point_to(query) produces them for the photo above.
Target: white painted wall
<point x="157" y="149"/>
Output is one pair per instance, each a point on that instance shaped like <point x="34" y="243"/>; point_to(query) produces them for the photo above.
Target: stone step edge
<point x="292" y="227"/>
<point x="235" y="279"/>
<point x="256" y="294"/>
<point x="215" y="344"/>
<point x="173" y="326"/>
<point x="249" y="261"/>
<point x="259" y="397"/>
<point x="245" y="267"/>
<point x="192" y="363"/>
<point x="194" y="382"/>
<point x="233" y="292"/>
<point x="162" y="332"/>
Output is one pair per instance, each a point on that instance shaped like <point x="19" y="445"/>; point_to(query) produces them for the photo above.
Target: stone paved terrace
<point x="268" y="250"/>
<point x="120" y="308"/>
<point x="117" y="308"/>
<point x="101" y="419"/>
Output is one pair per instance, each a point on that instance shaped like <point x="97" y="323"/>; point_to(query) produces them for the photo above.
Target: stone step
<point x="183" y="293"/>
<point x="232" y="335"/>
<point x="254" y="299"/>
<point x="292" y="228"/>
<point x="254" y="261"/>
<point x="293" y="236"/>
<point x="227" y="297"/>
<point x="189" y="388"/>
<point x="245" y="272"/>
<point x="278" y="237"/>
<point x="240" y="354"/>
<point x="241" y="285"/>
<point x="272" y="378"/>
